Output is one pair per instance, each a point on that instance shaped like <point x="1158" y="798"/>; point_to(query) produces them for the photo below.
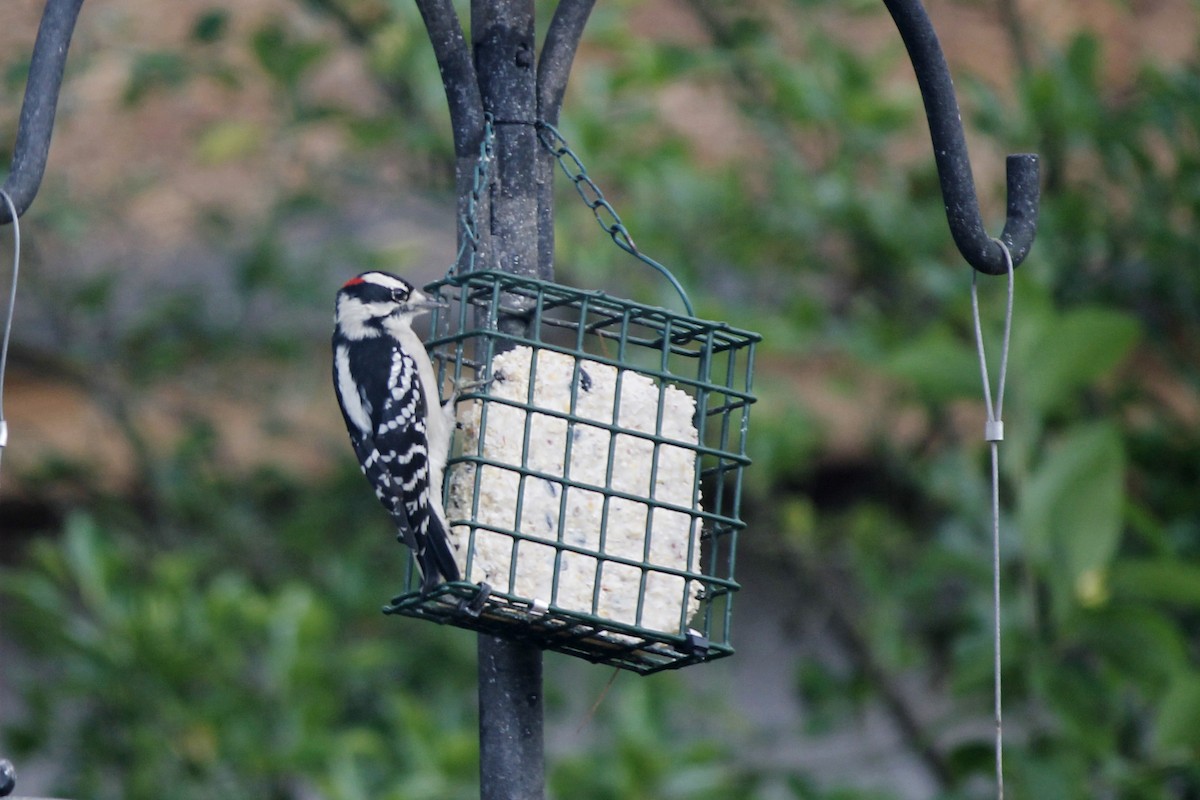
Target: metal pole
<point x="950" y="154"/>
<point x="554" y="67"/>
<point x="511" y="745"/>
<point x="505" y="65"/>
<point x="41" y="99"/>
<point x="501" y="75"/>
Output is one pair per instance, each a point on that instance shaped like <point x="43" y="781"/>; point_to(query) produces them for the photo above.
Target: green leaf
<point x="1140" y="643"/>
<point x="1176" y="728"/>
<point x="1072" y="351"/>
<point x="15" y="75"/>
<point x="1070" y="513"/>
<point x="211" y="26"/>
<point x="156" y="70"/>
<point x="283" y="57"/>
<point x="85" y="560"/>
<point x="1160" y="580"/>
<point x="228" y="140"/>
<point x="939" y="365"/>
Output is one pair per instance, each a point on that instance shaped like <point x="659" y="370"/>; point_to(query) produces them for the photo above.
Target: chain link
<point x="469" y="247"/>
<point x="606" y="216"/>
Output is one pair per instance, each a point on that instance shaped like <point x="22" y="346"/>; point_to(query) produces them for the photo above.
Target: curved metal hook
<point x="41" y="100"/>
<point x="950" y="152"/>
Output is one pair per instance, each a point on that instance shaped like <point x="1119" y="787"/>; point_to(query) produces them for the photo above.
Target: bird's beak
<point x="421" y="303"/>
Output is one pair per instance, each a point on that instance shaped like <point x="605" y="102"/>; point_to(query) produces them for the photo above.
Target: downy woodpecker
<point x="389" y="398"/>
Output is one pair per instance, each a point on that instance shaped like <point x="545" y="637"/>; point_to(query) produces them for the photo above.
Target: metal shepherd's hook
<point x="950" y="152"/>
<point x="41" y="99"/>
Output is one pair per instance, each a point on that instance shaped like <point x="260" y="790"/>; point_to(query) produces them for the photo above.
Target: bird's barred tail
<point x="437" y="559"/>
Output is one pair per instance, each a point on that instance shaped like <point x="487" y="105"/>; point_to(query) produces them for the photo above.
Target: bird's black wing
<point x="400" y="451"/>
<point x="369" y="396"/>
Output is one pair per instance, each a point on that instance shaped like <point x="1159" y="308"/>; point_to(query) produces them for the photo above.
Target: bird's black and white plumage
<point x="389" y="398"/>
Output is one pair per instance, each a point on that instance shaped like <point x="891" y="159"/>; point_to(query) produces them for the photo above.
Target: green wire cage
<point x="594" y="489"/>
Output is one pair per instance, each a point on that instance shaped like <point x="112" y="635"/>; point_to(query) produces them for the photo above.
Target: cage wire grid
<point x="710" y="361"/>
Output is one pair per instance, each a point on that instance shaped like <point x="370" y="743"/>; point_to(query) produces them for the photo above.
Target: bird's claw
<point x="466" y="387"/>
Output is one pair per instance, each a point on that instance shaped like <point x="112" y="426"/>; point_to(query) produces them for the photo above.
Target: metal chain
<point x="593" y="198"/>
<point x="469" y="247"/>
<point x="571" y="165"/>
<point x="994" y="434"/>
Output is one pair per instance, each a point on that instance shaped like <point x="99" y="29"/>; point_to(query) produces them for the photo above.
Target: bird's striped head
<point x="366" y="301"/>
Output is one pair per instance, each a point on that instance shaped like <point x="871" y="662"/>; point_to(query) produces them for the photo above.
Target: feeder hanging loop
<point x="10" y="309"/>
<point x="606" y="216"/>
<point x="950" y="152"/>
<point x="37" y="110"/>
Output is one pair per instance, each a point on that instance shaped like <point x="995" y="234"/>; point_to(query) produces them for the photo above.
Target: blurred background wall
<point x="192" y="566"/>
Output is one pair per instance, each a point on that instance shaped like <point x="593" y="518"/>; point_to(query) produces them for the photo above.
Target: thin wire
<point x="994" y="434"/>
<point x="8" y="318"/>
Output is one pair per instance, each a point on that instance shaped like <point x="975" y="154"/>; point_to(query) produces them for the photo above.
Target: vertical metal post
<point x="500" y="74"/>
<point x="502" y="33"/>
<point x="511" y="746"/>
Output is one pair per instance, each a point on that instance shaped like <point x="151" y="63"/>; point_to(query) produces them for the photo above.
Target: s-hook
<point x="41" y="100"/>
<point x="950" y="152"/>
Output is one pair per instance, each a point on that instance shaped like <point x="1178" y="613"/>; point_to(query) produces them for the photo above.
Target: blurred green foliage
<point x="218" y="634"/>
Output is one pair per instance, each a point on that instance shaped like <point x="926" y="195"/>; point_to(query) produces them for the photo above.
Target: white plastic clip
<point x="539" y="608"/>
<point x="993" y="430"/>
<point x="3" y="433"/>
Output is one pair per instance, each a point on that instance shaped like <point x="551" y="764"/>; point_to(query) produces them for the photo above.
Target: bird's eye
<point x="399" y="295"/>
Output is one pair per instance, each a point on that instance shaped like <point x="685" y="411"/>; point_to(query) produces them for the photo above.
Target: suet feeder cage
<point x="594" y="489"/>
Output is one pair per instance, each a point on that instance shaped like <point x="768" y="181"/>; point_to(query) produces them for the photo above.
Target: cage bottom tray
<point x="595" y="639"/>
